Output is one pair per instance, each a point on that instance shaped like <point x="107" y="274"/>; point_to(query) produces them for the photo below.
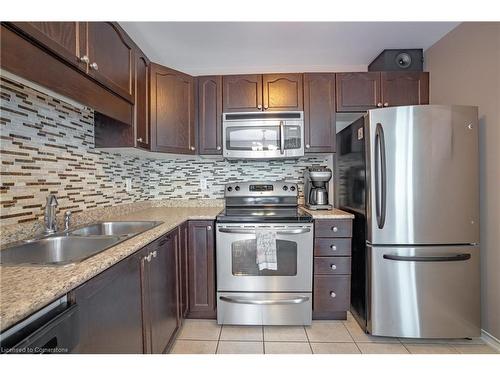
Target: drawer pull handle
<point x="333" y="247"/>
<point x="333" y="295"/>
<point x="335" y="229"/>
<point x="333" y="267"/>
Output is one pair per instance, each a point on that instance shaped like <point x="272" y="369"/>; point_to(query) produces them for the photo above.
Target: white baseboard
<point x="490" y="340"/>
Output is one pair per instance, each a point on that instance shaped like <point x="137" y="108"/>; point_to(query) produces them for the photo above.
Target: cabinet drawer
<point x="332" y="266"/>
<point x="333" y="228"/>
<point x="331" y="293"/>
<point x="332" y="247"/>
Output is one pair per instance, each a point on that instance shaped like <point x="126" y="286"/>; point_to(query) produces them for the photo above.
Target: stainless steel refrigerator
<point x="410" y="176"/>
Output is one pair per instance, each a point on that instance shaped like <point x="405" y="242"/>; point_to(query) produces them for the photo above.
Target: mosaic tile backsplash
<point x="47" y="146"/>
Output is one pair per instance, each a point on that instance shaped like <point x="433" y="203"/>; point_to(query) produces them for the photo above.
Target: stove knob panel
<point x="237" y="188"/>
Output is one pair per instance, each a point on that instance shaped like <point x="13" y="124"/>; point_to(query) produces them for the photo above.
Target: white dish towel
<point x="266" y="249"/>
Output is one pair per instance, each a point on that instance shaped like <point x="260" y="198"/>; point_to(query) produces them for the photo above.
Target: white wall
<point x="464" y="69"/>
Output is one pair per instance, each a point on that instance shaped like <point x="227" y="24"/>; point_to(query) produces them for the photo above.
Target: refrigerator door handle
<point x="448" y="258"/>
<point x="380" y="176"/>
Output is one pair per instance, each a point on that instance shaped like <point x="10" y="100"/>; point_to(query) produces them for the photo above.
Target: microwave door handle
<point x="282" y="137"/>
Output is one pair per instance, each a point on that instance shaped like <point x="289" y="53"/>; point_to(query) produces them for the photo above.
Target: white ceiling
<point x="201" y="48"/>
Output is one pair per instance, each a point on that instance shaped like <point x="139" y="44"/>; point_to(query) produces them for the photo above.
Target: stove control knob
<point x="229" y="188"/>
<point x="292" y="188"/>
<point x="237" y="188"/>
<point x="285" y="188"/>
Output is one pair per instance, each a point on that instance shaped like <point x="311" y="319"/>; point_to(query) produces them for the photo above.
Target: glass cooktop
<point x="264" y="214"/>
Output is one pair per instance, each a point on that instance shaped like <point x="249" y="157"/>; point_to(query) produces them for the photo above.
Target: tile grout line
<point x="308" y="341"/>
<point x="263" y="341"/>
<point x="218" y="339"/>
<point x="349" y="332"/>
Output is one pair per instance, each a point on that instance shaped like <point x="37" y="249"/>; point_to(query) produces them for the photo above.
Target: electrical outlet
<point x="128" y="185"/>
<point x="203" y="184"/>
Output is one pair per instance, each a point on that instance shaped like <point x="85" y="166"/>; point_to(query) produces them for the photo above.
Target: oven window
<point x="245" y="138"/>
<point x="244" y="255"/>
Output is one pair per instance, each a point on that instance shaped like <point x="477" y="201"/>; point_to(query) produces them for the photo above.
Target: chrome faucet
<point x="67" y="220"/>
<point x="50" y="214"/>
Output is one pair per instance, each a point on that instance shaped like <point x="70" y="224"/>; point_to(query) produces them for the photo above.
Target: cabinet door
<point x="201" y="270"/>
<point x="141" y="100"/>
<point x="110" y="310"/>
<point x="404" y="88"/>
<point x="66" y="39"/>
<point x="210" y="115"/>
<point x="110" y="53"/>
<point x="163" y="291"/>
<point x="283" y="92"/>
<point x="172" y="111"/>
<point x="319" y="112"/>
<point x="358" y="92"/>
<point x="242" y="93"/>
<point x="183" y="270"/>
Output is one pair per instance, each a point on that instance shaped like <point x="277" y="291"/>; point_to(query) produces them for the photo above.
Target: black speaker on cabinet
<point x="398" y="60"/>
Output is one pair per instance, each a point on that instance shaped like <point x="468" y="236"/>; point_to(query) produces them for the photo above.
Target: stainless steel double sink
<point x="74" y="245"/>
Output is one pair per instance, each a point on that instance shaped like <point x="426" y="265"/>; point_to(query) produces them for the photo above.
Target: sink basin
<point x="115" y="228"/>
<point x="57" y="250"/>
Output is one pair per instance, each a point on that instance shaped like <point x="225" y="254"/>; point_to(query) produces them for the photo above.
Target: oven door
<point x="263" y="139"/>
<point x="237" y="269"/>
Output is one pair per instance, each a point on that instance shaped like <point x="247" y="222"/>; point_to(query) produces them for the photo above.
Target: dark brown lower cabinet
<point x="110" y="310"/>
<point x="201" y="251"/>
<point x="332" y="268"/>
<point x="159" y="266"/>
<point x="183" y="270"/>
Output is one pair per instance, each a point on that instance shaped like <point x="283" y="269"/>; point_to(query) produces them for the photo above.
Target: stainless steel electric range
<point x="245" y="294"/>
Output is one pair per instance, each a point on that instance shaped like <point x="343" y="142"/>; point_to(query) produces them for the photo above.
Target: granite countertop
<point x="26" y="289"/>
<point x="334" y="213"/>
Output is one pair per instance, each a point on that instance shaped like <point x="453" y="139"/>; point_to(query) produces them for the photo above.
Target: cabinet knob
<point x="259" y="106"/>
<point x="308" y="146"/>
<point x="333" y="247"/>
<point x="148" y="258"/>
<point x="335" y="229"/>
<point x="139" y="139"/>
<point x="209" y="227"/>
<point x="333" y="294"/>
<point x="94" y="66"/>
<point x="379" y="105"/>
<point x="192" y="148"/>
<point x="84" y="59"/>
<point x="219" y="148"/>
<point x="266" y="106"/>
<point x="333" y="267"/>
<point x="154" y="254"/>
<point x="386" y="104"/>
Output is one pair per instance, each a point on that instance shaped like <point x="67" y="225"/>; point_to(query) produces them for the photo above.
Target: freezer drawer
<point x="424" y="292"/>
<point x="264" y="308"/>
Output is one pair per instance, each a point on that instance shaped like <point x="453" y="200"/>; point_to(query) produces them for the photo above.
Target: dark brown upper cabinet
<point x="172" y="111"/>
<point x="142" y="136"/>
<point x="404" y="88"/>
<point x="282" y="92"/>
<point x="210" y="115"/>
<point x="358" y="92"/>
<point x="66" y="39"/>
<point x="110" y="53"/>
<point x="267" y="92"/>
<point x="242" y="93"/>
<point x="319" y="112"/>
<point x="202" y="303"/>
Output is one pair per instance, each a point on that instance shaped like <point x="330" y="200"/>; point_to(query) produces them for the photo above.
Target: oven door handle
<point x="282" y="137"/>
<point x="247" y="301"/>
<point x="252" y="231"/>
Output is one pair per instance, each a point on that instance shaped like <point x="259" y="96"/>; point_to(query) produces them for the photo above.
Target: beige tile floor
<point x="322" y="337"/>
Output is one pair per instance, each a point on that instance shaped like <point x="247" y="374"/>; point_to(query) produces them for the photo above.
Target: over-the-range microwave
<point x="263" y="135"/>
